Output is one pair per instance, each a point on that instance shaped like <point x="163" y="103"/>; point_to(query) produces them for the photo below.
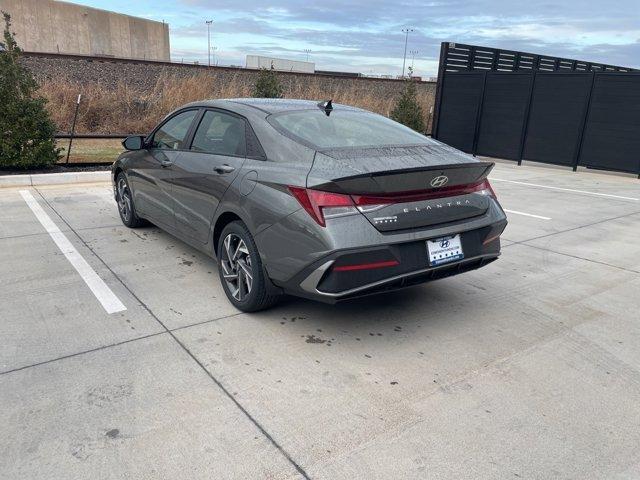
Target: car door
<point x="151" y="174"/>
<point x="202" y="174"/>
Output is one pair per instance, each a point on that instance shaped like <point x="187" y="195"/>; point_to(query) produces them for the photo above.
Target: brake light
<point x="322" y="205"/>
<point x="482" y="187"/>
<point x="491" y="190"/>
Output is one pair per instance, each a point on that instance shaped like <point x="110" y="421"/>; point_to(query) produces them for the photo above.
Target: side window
<point x="171" y="135"/>
<point x="221" y="134"/>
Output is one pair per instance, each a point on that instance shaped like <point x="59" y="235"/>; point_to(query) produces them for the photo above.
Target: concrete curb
<point x="53" y="178"/>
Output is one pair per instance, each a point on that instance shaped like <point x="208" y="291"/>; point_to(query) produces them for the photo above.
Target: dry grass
<point x="354" y="94"/>
<point x="93" y="150"/>
<point x="124" y="110"/>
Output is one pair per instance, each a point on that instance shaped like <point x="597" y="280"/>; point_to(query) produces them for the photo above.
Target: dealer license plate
<point x="444" y="250"/>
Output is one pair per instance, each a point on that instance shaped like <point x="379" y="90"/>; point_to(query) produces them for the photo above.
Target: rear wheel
<point x="125" y="203"/>
<point x="241" y="271"/>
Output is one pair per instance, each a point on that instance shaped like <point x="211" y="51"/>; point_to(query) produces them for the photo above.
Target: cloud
<point x="360" y="35"/>
<point x="369" y="32"/>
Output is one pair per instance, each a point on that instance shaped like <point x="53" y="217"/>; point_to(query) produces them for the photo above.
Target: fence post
<point x="476" y="134"/>
<point x="583" y="124"/>
<point x="73" y="127"/>
<point x="444" y="50"/>
<point x="527" y="114"/>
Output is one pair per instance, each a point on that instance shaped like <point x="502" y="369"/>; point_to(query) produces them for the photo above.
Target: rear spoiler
<point x="409" y="179"/>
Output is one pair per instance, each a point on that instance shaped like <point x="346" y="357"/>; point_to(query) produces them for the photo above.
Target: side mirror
<point x="133" y="142"/>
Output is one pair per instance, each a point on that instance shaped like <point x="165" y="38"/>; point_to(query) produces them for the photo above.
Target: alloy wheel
<point x="124" y="200"/>
<point x="235" y="262"/>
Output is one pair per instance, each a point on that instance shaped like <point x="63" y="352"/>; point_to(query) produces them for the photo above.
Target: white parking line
<point x="526" y="214"/>
<point x="103" y="293"/>
<point x="566" y="189"/>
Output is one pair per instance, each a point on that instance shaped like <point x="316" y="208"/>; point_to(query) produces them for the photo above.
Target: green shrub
<point x="267" y="84"/>
<point x="26" y="131"/>
<point x="408" y="111"/>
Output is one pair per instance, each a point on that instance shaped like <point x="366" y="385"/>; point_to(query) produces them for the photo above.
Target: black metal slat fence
<point x="455" y="57"/>
<point x="519" y="106"/>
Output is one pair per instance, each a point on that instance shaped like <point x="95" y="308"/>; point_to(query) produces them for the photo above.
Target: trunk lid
<point x="406" y="187"/>
<point x="387" y="170"/>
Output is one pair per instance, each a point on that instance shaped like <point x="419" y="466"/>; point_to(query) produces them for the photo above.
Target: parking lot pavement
<point x="137" y="410"/>
<point x="47" y="310"/>
<point x="529" y="367"/>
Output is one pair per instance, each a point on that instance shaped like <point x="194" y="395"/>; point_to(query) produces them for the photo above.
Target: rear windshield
<point x="345" y="129"/>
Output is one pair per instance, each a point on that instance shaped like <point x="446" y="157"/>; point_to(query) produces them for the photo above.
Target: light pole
<point x="413" y="57"/>
<point x="406" y="32"/>
<point x="307" y="51"/>
<point x="209" y="22"/>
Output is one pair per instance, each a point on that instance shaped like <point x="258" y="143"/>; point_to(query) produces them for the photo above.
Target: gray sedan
<point x="317" y="200"/>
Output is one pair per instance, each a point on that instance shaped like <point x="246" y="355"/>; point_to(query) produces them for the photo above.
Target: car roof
<point x="271" y="105"/>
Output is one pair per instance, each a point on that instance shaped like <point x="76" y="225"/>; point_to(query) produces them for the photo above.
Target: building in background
<point x="279" y="64"/>
<point x="50" y="26"/>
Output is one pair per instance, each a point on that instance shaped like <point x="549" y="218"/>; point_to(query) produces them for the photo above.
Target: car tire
<point x="124" y="199"/>
<point x="242" y="274"/>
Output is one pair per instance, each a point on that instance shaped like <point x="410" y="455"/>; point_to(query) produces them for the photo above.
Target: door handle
<point x="222" y="169"/>
<point x="165" y="163"/>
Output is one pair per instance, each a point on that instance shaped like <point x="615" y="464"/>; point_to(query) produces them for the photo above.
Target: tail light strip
<point x="321" y="205"/>
<point x="406" y="197"/>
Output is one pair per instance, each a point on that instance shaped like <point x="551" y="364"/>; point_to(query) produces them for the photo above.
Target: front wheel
<point x="241" y="272"/>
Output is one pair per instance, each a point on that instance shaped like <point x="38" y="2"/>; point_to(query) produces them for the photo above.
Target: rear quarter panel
<point x="259" y="194"/>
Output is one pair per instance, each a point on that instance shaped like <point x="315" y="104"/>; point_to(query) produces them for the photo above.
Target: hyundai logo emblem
<point x="439" y="181"/>
<point x="444" y="244"/>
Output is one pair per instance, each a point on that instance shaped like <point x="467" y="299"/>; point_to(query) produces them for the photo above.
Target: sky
<point x="367" y="36"/>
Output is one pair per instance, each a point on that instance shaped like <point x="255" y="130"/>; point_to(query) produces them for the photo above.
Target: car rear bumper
<point x="401" y="265"/>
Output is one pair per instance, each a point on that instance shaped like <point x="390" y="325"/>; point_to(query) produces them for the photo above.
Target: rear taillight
<point x="322" y="205"/>
<point x="483" y="187"/>
<point x="487" y="189"/>
<point x="368" y="203"/>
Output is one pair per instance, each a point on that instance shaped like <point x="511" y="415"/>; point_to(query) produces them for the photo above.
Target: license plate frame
<point x="444" y="250"/>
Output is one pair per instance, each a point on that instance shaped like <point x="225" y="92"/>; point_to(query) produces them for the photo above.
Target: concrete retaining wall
<point x="60" y="27"/>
